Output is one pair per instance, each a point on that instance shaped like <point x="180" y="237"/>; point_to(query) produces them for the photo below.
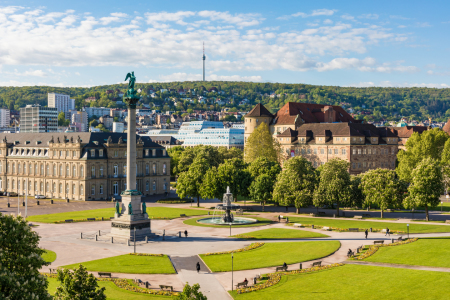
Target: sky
<point x="343" y="43"/>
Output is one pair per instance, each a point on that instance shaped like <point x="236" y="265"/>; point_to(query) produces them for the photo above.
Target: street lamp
<point x="232" y="286"/>
<point x="442" y="203"/>
<point x="230" y="229"/>
<point x="407" y="226"/>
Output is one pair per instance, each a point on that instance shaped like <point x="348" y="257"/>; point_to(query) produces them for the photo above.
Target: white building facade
<point x="61" y="102"/>
<point x="5" y="117"/>
<point x="36" y="118"/>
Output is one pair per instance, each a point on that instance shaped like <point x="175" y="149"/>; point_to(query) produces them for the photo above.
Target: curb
<point x="205" y="264"/>
<point x="173" y="265"/>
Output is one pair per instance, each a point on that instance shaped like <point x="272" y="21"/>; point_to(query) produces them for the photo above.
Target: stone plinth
<point x="123" y="224"/>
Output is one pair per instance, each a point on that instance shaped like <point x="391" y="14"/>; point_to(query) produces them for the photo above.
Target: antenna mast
<point x="204" y="61"/>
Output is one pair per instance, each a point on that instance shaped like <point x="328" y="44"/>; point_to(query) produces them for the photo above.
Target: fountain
<point x="222" y="213"/>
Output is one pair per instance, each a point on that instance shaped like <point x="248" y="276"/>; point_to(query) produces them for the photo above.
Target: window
<point x="92" y="152"/>
<point x="354" y="139"/>
<point x="67" y="188"/>
<point x="360" y="139"/>
<point x="147" y="169"/>
<point x="81" y="171"/>
<point x="60" y="188"/>
<point x="42" y="187"/>
<point x="116" y="153"/>
<point x="364" y="164"/>
<point x="1" y="167"/>
<point x="353" y="165"/>
<point x="101" y="189"/>
<point x="315" y="164"/>
<point x="74" y="189"/>
<point x="54" y="187"/>
<point x="164" y="169"/>
<point x="147" y="152"/>
<point x="338" y="139"/>
<point x="330" y="151"/>
<point x="115" y="188"/>
<point x="359" y="151"/>
<point x="35" y="169"/>
<point x="60" y="170"/>
<point x="393" y="151"/>
<point x="54" y="170"/>
<point x="336" y="151"/>
<point x="101" y="171"/>
<point x="116" y="170"/>
<point x="29" y="185"/>
<point x="124" y="153"/>
<point x="54" y="153"/>
<point x="13" y="184"/>
<point x="354" y="151"/>
<point x="124" y="170"/>
<point x="93" y="189"/>
<point x="320" y="139"/>
<point x="93" y="171"/>
<point x="14" y="168"/>
<point x="308" y="151"/>
<point x="303" y="151"/>
<point x="67" y="170"/>
<point x="359" y="165"/>
<point x="345" y="139"/>
<point x="154" y="169"/>
<point x="67" y="153"/>
<point x="74" y="153"/>
<point x="18" y="184"/>
<point x="344" y="151"/>
<point x="364" y="151"/>
<point x="370" y="151"/>
<point x="322" y="151"/>
<point x="81" y="190"/>
<point x="154" y="185"/>
<point x="48" y="170"/>
<point x="165" y="186"/>
<point x="100" y="153"/>
<point x="60" y="153"/>
<point x="147" y="186"/>
<point x="374" y="151"/>
<point x="74" y="171"/>
<point x="154" y="152"/>
<point x="315" y="150"/>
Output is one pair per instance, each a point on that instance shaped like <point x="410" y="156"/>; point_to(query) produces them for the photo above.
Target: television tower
<point x="204" y="61"/>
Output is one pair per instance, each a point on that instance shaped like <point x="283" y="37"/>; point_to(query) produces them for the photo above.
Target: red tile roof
<point x="259" y="111"/>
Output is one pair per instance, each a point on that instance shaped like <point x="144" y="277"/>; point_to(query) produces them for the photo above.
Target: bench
<point x="278" y="269"/>
<point x="68" y="221"/>
<point x="350" y="254"/>
<point x="353" y="229"/>
<point x="243" y="283"/>
<point x="378" y="242"/>
<point x="168" y="287"/>
<point x="91" y="219"/>
<point x="53" y="271"/>
<point x="297" y="225"/>
<point x="317" y="264"/>
<point x="321" y="213"/>
<point x="400" y="239"/>
<point x="182" y="215"/>
<point x="100" y="274"/>
<point x="357" y="217"/>
<point x="366" y="215"/>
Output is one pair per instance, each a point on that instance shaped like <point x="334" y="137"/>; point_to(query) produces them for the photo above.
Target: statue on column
<point x="144" y="208"/>
<point x="130" y="209"/>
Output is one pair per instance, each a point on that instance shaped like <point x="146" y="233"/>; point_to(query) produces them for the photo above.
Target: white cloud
<point x="241" y="20"/>
<point x="369" y="16"/>
<point x="114" y="17"/>
<point x="211" y="77"/>
<point x="316" y="12"/>
<point x="423" y="24"/>
<point x="348" y="17"/>
<point x="327" y="21"/>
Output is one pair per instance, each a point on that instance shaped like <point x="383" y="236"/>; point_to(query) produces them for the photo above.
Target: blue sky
<point x="345" y="43"/>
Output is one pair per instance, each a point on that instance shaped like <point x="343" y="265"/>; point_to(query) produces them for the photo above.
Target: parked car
<point x="13" y="194"/>
<point x="39" y="197"/>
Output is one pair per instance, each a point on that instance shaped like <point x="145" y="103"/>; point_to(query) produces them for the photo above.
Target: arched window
<point x="31" y="169"/>
<point x="35" y="187"/>
<point x="54" y="188"/>
<point x="14" y="168"/>
<point x="60" y="188"/>
<point x="54" y="170"/>
<point x="47" y="187"/>
<point x="61" y="170"/>
<point x="74" y="189"/>
<point x="48" y="170"/>
<point x="42" y="187"/>
<point x="81" y="171"/>
<point x="93" y="171"/>
<point x="18" y="169"/>
<point x="116" y="170"/>
<point x="147" y="169"/>
<point x="93" y="189"/>
<point x="124" y="170"/>
<point x="35" y="169"/>
<point x="116" y="188"/>
<point x="147" y="186"/>
<point x="67" y="170"/>
<point x="24" y="185"/>
<point x="13" y="184"/>
<point x="154" y="169"/>
<point x="74" y="171"/>
<point x="101" y="171"/>
<point x="42" y="169"/>
<point x="101" y="189"/>
<point x="67" y="188"/>
<point x="81" y="190"/>
<point x="154" y="185"/>
<point x="164" y="169"/>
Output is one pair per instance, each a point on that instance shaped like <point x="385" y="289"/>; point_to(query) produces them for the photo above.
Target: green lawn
<point x="127" y="263"/>
<point x="112" y="291"/>
<point x="357" y="282"/>
<point x="271" y="254"/>
<point x="433" y="252"/>
<point x="49" y="256"/>
<point x="413" y="228"/>
<point x="153" y="212"/>
<point x="261" y="222"/>
<point x="280" y="233"/>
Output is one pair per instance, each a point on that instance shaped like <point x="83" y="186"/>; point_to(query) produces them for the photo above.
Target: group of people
<point x="388" y="232"/>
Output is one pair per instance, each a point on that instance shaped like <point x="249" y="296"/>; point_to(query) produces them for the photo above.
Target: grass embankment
<point x="432" y="252"/>
<point x="49" y="256"/>
<point x="112" y="291"/>
<point x="106" y="213"/>
<point x="271" y="255"/>
<point x="356" y="282"/>
<point x="132" y="264"/>
<point x="345" y="224"/>
<point x="261" y="222"/>
<point x="280" y="233"/>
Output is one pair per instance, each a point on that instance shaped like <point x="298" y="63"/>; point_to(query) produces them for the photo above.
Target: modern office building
<point x="118" y="127"/>
<point x="36" y="118"/>
<point x="81" y="118"/>
<point x="61" y="102"/>
<point x="79" y="166"/>
<point x="97" y="111"/>
<point x="5" y="117"/>
<point x="216" y="137"/>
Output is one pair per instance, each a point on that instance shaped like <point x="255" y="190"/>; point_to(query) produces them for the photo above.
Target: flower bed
<point x="248" y="248"/>
<point x="346" y="229"/>
<point x="242" y="236"/>
<point x="146" y="254"/>
<point x="274" y="278"/>
<point x="81" y="220"/>
<point x="374" y="248"/>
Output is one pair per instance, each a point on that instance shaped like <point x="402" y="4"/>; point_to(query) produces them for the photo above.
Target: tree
<point x="78" y="285"/>
<point x="296" y="183"/>
<point x="426" y="185"/>
<point x="20" y="261"/>
<point x="262" y="165"/>
<point x="102" y="128"/>
<point x="430" y="143"/>
<point x="261" y="144"/>
<point x="445" y="164"/>
<point x="211" y="154"/>
<point x="191" y="293"/>
<point x="357" y="197"/>
<point x="62" y="119"/>
<point x="190" y="181"/>
<point x="175" y="155"/>
<point x="334" y="184"/>
<point x="261" y="189"/>
<point x="233" y="152"/>
<point x="380" y="187"/>
<point x="93" y="123"/>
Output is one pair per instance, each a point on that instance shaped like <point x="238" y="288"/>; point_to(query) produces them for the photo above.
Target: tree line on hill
<point x="422" y="173"/>
<point x="371" y="104"/>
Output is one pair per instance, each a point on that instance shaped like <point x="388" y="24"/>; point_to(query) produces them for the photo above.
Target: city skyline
<point x="326" y="43"/>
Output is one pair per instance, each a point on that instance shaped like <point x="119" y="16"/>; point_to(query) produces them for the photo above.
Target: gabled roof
<point x="259" y="111"/>
<point x="288" y="132"/>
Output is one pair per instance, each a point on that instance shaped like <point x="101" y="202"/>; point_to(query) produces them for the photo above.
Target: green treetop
<point x="261" y="144"/>
<point x="190" y="181"/>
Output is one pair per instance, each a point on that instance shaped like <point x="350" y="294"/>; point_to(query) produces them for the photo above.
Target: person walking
<point x="387" y="232"/>
<point x="198" y="267"/>
<point x="279" y="218"/>
<point x="366" y="233"/>
<point x="185" y="233"/>
<point x="285" y="265"/>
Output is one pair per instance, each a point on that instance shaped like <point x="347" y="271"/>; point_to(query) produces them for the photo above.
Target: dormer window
<point x="147" y="152"/>
<point x="92" y="152"/>
<point x="100" y="153"/>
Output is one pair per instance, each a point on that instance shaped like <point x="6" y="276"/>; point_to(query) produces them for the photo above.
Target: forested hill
<point x="372" y="103"/>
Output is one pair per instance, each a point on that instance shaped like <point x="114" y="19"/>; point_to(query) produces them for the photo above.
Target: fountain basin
<point x="219" y="221"/>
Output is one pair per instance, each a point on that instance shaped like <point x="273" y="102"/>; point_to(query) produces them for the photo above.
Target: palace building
<point x="323" y="132"/>
<point x="79" y="166"/>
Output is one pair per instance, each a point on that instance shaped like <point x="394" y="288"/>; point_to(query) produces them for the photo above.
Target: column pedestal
<point x="123" y="224"/>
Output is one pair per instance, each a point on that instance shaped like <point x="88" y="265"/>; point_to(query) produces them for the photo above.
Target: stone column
<point x="131" y="149"/>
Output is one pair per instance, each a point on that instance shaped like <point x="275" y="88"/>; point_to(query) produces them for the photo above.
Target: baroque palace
<point x="323" y="132"/>
<point x="79" y="166"/>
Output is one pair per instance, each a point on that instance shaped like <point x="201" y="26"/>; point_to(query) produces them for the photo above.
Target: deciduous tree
<point x="261" y="144"/>
<point x="190" y="181"/>
<point x="191" y="293"/>
<point x="261" y="189"/>
<point x="78" y="285"/>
